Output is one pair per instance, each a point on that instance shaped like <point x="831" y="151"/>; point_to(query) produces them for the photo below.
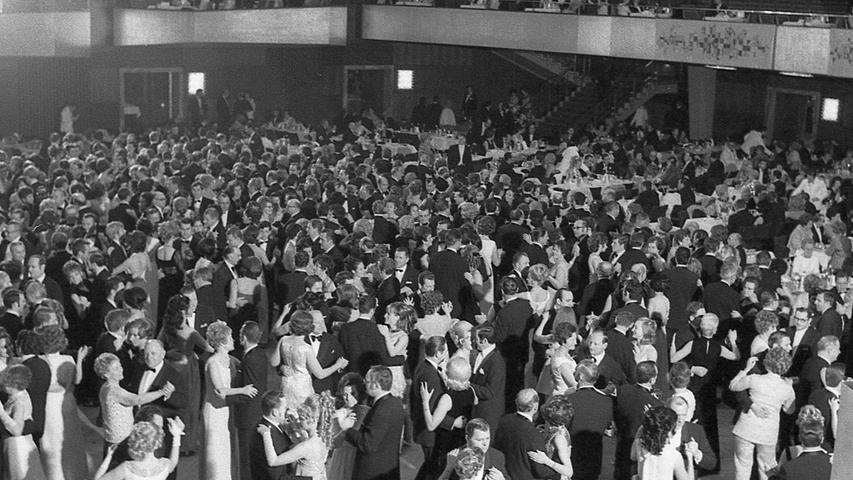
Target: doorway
<point x="792" y="114"/>
<point x="150" y="97"/>
<point x="368" y="86"/>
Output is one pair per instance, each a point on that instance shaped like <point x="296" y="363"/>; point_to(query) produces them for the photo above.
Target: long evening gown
<point x="22" y="461"/>
<point x="216" y="458"/>
<point x="295" y="377"/>
<point x="63" y="449"/>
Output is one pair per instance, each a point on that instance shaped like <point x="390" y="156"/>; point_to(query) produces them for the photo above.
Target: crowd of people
<point x="499" y="312"/>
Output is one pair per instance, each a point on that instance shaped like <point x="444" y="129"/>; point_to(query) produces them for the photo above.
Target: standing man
<point x="512" y="326"/>
<point x="692" y="436"/>
<point x="273" y="407"/>
<point x="517" y="435"/>
<point x="682" y="288"/>
<point x="631" y="404"/>
<point x="435" y="354"/>
<point x="196" y="109"/>
<point x="248" y="411"/>
<point x="488" y="376"/>
<point x="377" y="442"/>
<point x="593" y="414"/>
<point x="828" y="321"/>
<point x="226" y="270"/>
<point x="449" y="269"/>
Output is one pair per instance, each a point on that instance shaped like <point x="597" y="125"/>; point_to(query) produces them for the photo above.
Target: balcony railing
<point x="656" y="10"/>
<point x="218" y="5"/>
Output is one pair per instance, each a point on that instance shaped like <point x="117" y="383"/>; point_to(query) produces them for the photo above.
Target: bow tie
<point x="151" y="369"/>
<point x="401" y="270"/>
<point x="314" y="338"/>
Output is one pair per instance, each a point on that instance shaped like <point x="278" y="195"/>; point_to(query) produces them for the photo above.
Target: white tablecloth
<point x="440" y="142"/>
<point x="399" y="148"/>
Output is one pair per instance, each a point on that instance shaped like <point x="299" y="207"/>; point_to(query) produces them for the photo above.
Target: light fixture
<point x="195" y="82"/>
<point x="829" y="112"/>
<point x="721" y="67"/>
<point x="796" y="74"/>
<point x="405" y="79"/>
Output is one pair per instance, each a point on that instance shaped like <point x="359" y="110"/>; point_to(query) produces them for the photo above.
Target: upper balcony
<point x="812" y="43"/>
<point x="46" y="28"/>
<point x="162" y="23"/>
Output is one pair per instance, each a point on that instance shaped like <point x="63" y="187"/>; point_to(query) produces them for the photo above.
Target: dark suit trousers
<point x="706" y="413"/>
<point x="623" y="467"/>
<point x="244" y="442"/>
<point x="428" y="470"/>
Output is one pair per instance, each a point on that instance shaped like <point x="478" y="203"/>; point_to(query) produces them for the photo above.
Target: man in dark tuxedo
<point x="607" y="222"/>
<point x="593" y="414"/>
<point x="470" y="105"/>
<point x="633" y="292"/>
<point x="710" y="263"/>
<point x="488" y="377"/>
<point x="723" y="300"/>
<point x="213" y="223"/>
<point x="682" y="289"/>
<point x="814" y="462"/>
<point x="13" y="318"/>
<point x="404" y="272"/>
<point x="632" y="402"/>
<point x="804" y="339"/>
<point x="225" y="271"/>
<point x="459" y="156"/>
<point x="196" y="108"/>
<point x="610" y="373"/>
<point x="292" y="284"/>
<point x="827" y="399"/>
<point x="254" y="370"/>
<point x="741" y="219"/>
<point x="205" y="312"/>
<point x="161" y="375"/>
<point x="199" y="202"/>
<point x="449" y="269"/>
<point x="123" y="212"/>
<point x="363" y="345"/>
<point x="620" y="345"/>
<point x="435" y="354"/>
<point x="378" y="440"/>
<point x="36" y="270"/>
<point x="388" y="290"/>
<point x="692" y="436"/>
<point x="517" y="435"/>
<point x="634" y="254"/>
<point x="827" y="321"/>
<point x="512" y="327"/>
<point x="478" y="435"/>
<point x="223" y="110"/>
<point x="828" y="349"/>
<point x="29" y="344"/>
<point x="384" y="231"/>
<point x="273" y="408"/>
<point x="328" y="350"/>
<point x="535" y="250"/>
<point x="770" y="279"/>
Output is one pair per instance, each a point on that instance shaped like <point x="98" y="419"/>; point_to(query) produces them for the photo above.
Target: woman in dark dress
<point x="179" y="337"/>
<point x="455" y="403"/>
<point x="170" y="266"/>
<point x="703" y="354"/>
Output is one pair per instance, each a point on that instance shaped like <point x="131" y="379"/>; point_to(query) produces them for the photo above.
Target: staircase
<point x="590" y="104"/>
<point x="551" y="67"/>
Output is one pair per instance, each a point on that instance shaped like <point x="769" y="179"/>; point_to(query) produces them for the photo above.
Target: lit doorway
<point x="150" y="97"/>
<point x="792" y="114"/>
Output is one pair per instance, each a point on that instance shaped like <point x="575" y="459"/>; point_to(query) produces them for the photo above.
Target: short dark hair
<point x="381" y="375"/>
<point x="252" y="331"/>
<point x="433" y="345"/>
<point x="271" y="400"/>
<point x="646" y="371"/>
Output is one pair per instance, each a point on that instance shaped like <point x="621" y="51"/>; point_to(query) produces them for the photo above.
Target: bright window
<point x="405" y="79"/>
<point x="830" y="109"/>
<point x="195" y="81"/>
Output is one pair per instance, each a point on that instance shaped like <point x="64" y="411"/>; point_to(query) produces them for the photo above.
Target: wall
<point x="742" y="96"/>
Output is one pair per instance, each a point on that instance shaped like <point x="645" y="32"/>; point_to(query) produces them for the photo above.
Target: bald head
<point x="154" y="353"/>
<point x="527" y="401"/>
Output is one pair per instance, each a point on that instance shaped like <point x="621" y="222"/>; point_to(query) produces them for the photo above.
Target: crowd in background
<point x="497" y="311"/>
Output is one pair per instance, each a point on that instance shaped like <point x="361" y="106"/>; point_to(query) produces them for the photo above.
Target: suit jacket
<point x="329" y="352"/>
<point x="410" y="278"/>
<point x="610" y="371"/>
<point x="721" y="299"/>
<point x="449" y="269"/>
<point x="682" y="289"/>
<point x="387" y="292"/>
<point x="631" y="404"/>
<point x="364" y="346"/>
<point x="426" y="373"/>
<point x="621" y="348"/>
<point x="694" y="431"/>
<point x="254" y="370"/>
<point x="179" y="400"/>
<point x="116" y="253"/>
<point x="53" y="289"/>
<point x="829" y="323"/>
<point x="740" y="220"/>
<point x="125" y="214"/>
<point x="710" y="269"/>
<point x="12" y="323"/>
<point x="803" y="351"/>
<point x="809" y="465"/>
<point x="770" y="280"/>
<point x="512" y="325"/>
<point x="221" y="285"/>
<point x="205" y="312"/>
<point x="633" y="256"/>
<point x="820" y="398"/>
<point x="257" y="456"/>
<point x="593" y="414"/>
<point x="455" y="160"/>
<point x="378" y="441"/>
<point x="489" y="385"/>
<point x="516" y="435"/>
<point x="290" y="286"/>
<point x="37" y="389"/>
<point x="383" y="230"/>
<point x="809" y="379"/>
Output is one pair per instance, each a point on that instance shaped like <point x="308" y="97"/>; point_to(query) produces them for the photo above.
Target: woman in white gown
<point x="309" y="454"/>
<point x="656" y="448"/>
<point x="296" y="361"/>
<point x="21" y="457"/>
<point x="63" y="449"/>
<point x="216" y="464"/>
